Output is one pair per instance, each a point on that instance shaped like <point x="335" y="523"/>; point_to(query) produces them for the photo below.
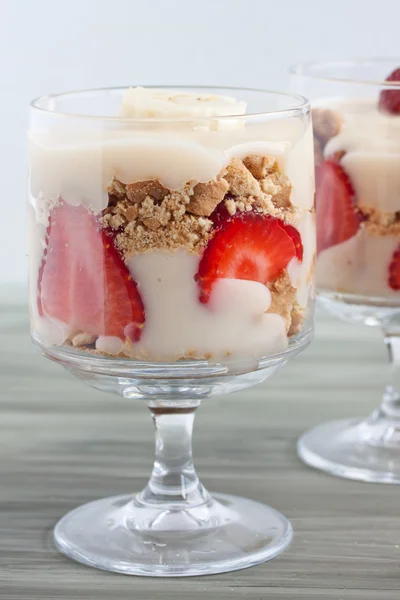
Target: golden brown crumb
<point x="116" y="188"/>
<point x="81" y="338"/>
<point x="206" y="197"/>
<point x="297" y="319"/>
<point x="152" y="223"/>
<point x="138" y="191"/>
<point x="260" y="166"/>
<point x="380" y="230"/>
<point x="380" y="223"/>
<point x="230" y="206"/>
<point x="241" y="181"/>
<point x="187" y="233"/>
<point x="326" y="124"/>
<point x="279" y="187"/>
<point x="150" y="210"/>
<point x="282" y="298"/>
<point x="132" y="212"/>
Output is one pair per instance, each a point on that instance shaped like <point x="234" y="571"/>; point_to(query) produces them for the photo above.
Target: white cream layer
<point x="371" y="140"/>
<point x="178" y="324"/>
<point x="233" y="324"/>
<point x="78" y="161"/>
<point x="359" y="265"/>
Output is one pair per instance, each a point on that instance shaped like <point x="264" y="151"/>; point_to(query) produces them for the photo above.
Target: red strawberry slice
<point x="389" y="100"/>
<point x="249" y="246"/>
<point x="337" y="217"/>
<point x="83" y="281"/>
<point x="220" y="216"/>
<point x="394" y="271"/>
<point x="296" y="239"/>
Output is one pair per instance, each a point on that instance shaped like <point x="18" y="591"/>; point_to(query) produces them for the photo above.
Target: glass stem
<point x="391" y="397"/>
<point x="174" y="479"/>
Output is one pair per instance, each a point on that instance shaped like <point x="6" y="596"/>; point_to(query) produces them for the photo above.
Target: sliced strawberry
<point x="337" y="217"/>
<point x="83" y="281"/>
<point x="394" y="271"/>
<point x="296" y="239"/>
<point x="389" y="100"/>
<point x="248" y="246"/>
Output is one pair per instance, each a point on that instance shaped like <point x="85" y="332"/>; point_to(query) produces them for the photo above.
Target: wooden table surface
<point x="63" y="444"/>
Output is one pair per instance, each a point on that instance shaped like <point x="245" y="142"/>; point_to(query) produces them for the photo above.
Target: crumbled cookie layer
<point x="147" y="216"/>
<point x="380" y="223"/>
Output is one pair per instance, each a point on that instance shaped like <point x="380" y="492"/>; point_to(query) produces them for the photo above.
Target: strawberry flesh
<point x="337" y="216"/>
<point x="83" y="281"/>
<point x="389" y="100"/>
<point x="248" y="246"/>
<point x="394" y="271"/>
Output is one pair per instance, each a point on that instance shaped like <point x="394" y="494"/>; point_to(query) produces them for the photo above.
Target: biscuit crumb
<point x="297" y="319"/>
<point x="206" y="197"/>
<point x="138" y="191"/>
<point x="379" y="223"/>
<point x="132" y="212"/>
<point x="241" y="181"/>
<point x="278" y="186"/>
<point x="116" y="188"/>
<point x="282" y="298"/>
<point x="230" y="206"/>
<point x="82" y="338"/>
<point x="260" y="166"/>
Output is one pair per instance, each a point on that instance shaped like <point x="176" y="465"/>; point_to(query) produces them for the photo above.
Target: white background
<point x="56" y="45"/>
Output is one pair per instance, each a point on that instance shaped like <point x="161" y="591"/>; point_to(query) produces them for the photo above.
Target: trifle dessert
<point x="178" y="232"/>
<point x="172" y="250"/>
<point x="356" y="124"/>
<point x="357" y="153"/>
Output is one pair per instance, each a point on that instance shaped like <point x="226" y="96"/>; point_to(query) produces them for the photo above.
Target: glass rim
<point x="305" y="69"/>
<point x="303" y="104"/>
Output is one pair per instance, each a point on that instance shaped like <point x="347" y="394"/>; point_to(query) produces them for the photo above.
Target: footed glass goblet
<point x="171" y="253"/>
<point x="356" y="118"/>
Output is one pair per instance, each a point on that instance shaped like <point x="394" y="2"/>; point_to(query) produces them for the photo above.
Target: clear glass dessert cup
<point x="356" y="123"/>
<point x="172" y="248"/>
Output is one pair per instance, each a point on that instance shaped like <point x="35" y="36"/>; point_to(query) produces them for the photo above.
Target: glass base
<point x="123" y="535"/>
<point x="366" y="310"/>
<point x="365" y="450"/>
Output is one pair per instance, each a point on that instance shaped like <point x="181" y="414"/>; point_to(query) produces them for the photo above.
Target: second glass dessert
<point x="171" y="259"/>
<point x="356" y="120"/>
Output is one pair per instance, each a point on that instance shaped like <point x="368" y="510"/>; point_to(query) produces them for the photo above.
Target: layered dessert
<point x="179" y="233"/>
<point x="357" y="153"/>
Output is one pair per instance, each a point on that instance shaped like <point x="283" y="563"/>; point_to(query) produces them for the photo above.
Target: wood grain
<point x="62" y="444"/>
